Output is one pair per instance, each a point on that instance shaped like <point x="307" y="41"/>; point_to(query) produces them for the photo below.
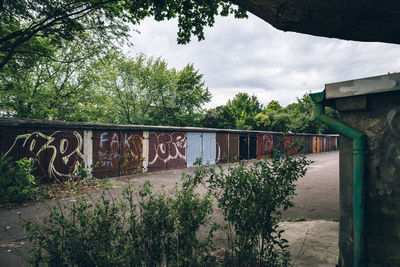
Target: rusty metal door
<point x="221" y="148"/>
<point x="287" y="145"/>
<point x="315" y="144"/>
<point x="233" y="147"/>
<point x="278" y="143"/>
<point x="261" y="151"/>
<point x="167" y="150"/>
<point x="57" y="153"/>
<point x="265" y="144"/>
<point x="318" y="144"/>
<point x="301" y="140"/>
<point x="131" y="158"/>
<point x="293" y="145"/>
<point x="308" y="145"/>
<point x="244" y="146"/>
<point x="106" y="153"/>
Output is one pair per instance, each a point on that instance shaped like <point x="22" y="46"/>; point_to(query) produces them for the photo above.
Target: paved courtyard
<point x="312" y="243"/>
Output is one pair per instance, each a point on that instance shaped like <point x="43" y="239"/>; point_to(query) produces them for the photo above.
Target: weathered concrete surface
<point x="318" y="192"/>
<point x="312" y="243"/>
<point x="317" y="199"/>
<point x="381" y="123"/>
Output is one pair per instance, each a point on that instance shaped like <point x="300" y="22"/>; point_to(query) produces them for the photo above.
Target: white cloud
<point x="252" y="56"/>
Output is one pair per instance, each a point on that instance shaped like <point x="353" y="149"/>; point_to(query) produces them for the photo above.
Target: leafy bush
<point x="140" y="229"/>
<point x="252" y="197"/>
<point x="17" y="184"/>
<point x="159" y="229"/>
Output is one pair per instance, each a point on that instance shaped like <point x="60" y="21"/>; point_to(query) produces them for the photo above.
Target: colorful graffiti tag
<point x="117" y="152"/>
<point x="167" y="150"/>
<point x="57" y="153"/>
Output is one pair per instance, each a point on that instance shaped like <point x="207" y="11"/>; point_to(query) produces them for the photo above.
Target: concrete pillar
<point x="88" y="149"/>
<point x="380" y="121"/>
<point x="145" y="151"/>
<point x="371" y="106"/>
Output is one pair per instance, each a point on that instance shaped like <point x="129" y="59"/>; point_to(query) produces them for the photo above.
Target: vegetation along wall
<point x="115" y="150"/>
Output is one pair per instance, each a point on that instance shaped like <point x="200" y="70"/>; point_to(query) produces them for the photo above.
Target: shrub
<point x="252" y="196"/>
<point x="141" y="229"/>
<point x="159" y="229"/>
<point x="17" y="184"/>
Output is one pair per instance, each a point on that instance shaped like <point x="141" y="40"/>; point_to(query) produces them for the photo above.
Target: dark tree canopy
<point x="358" y="20"/>
<point x="33" y="27"/>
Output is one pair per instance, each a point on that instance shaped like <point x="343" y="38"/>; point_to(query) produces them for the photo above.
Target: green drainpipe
<point x="359" y="148"/>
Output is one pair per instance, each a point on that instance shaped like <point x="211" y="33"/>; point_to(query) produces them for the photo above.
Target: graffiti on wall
<point x="268" y="142"/>
<point x="106" y="158"/>
<point x="117" y="152"/>
<point x="131" y="152"/>
<point x="58" y="154"/>
<point x="166" y="147"/>
<point x="393" y="151"/>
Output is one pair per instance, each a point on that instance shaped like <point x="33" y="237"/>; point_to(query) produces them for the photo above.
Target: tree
<point x="219" y="117"/>
<point x="144" y="90"/>
<point x="244" y="108"/>
<point x="274" y="105"/>
<point x="43" y="88"/>
<point x="296" y="117"/>
<point x="28" y="27"/>
<point x="262" y="121"/>
<point x="191" y="95"/>
<point x="366" y="20"/>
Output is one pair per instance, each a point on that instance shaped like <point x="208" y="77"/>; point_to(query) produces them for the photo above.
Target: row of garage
<point x="174" y="150"/>
<point x="114" y="150"/>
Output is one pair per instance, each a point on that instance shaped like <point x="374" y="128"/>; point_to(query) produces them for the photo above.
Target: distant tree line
<point x="99" y="83"/>
<point x="60" y="60"/>
<point x="245" y="112"/>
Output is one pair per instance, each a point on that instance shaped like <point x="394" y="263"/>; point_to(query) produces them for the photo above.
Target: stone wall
<point x="378" y="116"/>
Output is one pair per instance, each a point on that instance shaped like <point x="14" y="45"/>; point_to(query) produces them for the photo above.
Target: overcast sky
<point x="249" y="55"/>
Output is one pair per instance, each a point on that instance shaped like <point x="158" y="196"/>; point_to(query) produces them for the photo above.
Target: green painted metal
<point x="359" y="148"/>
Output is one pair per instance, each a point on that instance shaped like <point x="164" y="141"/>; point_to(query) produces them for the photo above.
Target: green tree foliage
<point x="144" y="90"/>
<point x="245" y="112"/>
<point x="262" y="120"/>
<point x="274" y="105"/>
<point x="35" y="28"/>
<point x="219" y="117"/>
<point x="301" y="119"/>
<point x="191" y="95"/>
<point x="244" y="108"/>
<point x="49" y="89"/>
<point x="252" y="197"/>
<point x="238" y="113"/>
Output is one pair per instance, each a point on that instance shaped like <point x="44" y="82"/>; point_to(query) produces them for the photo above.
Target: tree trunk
<point x="358" y="20"/>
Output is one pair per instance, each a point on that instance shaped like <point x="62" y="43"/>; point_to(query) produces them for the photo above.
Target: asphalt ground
<point x="312" y="242"/>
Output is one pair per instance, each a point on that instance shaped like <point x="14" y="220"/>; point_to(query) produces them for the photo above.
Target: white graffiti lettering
<point x="168" y="146"/>
<point x="268" y="142"/>
<point x="106" y="158"/>
<point x="393" y="150"/>
<point x="52" y="145"/>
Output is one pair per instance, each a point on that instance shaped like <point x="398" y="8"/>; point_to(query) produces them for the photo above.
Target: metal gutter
<point x="359" y="149"/>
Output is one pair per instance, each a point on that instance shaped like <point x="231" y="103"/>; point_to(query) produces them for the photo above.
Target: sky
<point x="249" y="55"/>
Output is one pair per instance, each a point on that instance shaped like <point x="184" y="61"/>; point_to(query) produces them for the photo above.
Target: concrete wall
<point x="378" y="116"/>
